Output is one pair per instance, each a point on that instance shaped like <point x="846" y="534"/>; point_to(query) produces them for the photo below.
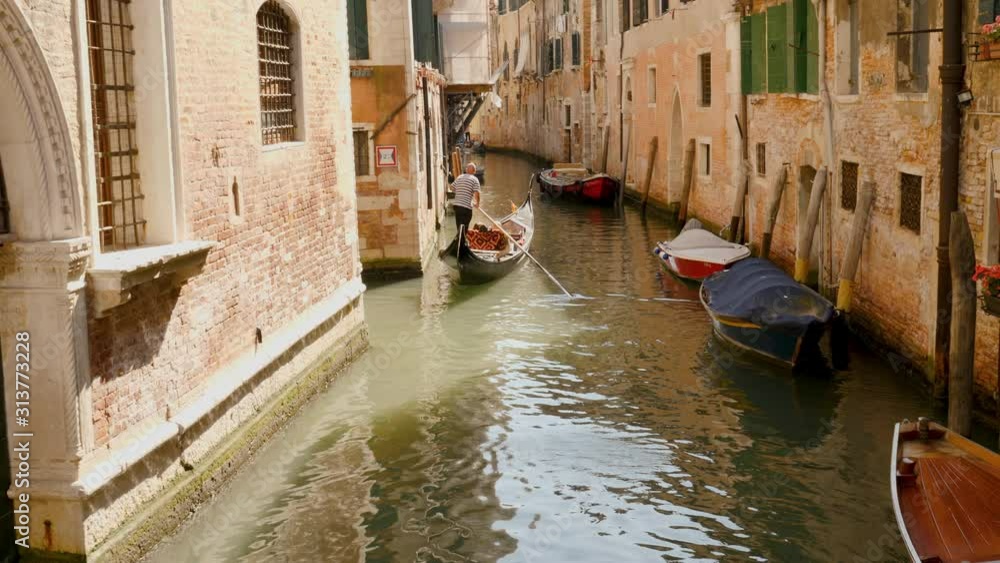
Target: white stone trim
<point x="129" y="450"/>
<point x="58" y="204"/>
<point x="114" y="275"/>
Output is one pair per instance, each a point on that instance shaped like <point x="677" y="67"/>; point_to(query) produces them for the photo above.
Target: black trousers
<point x="463" y="217"/>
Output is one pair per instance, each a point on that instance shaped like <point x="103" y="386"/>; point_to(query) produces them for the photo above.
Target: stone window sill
<point x="283" y="146"/>
<point x="115" y="274"/>
<point x="5" y="238"/>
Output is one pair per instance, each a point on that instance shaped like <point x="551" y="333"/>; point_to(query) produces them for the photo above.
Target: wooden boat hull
<point x="696" y="254"/>
<point x="757" y="307"/>
<point x="598" y="189"/>
<point x="689" y="270"/>
<point x="780" y="345"/>
<point x="945" y="494"/>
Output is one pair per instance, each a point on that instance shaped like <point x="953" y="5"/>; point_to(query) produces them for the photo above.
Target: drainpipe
<point x="952" y="80"/>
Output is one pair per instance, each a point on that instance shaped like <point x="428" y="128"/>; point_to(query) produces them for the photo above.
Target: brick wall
<point x="293" y="245"/>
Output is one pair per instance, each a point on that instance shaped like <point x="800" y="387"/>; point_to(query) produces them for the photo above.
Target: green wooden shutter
<point x="746" y="56"/>
<point x="357" y="29"/>
<point x="806" y="47"/>
<point x="777" y="49"/>
<point x="758" y="34"/>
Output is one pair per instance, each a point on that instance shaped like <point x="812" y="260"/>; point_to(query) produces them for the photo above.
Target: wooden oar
<point x="526" y="253"/>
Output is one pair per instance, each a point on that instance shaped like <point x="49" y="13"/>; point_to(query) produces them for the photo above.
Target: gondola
<point x="483" y="266"/>
<point x="945" y="494"/>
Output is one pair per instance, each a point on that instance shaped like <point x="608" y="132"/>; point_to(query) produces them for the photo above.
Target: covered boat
<point x="577" y="182"/>
<point x="946" y="494"/>
<point x="756" y="306"/>
<point x="696" y="254"/>
<point x="481" y="261"/>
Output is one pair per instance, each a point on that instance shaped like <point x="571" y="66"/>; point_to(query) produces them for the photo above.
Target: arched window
<point x="276" y="53"/>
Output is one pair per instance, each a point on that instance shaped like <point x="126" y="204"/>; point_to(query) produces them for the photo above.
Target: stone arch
<point x="43" y="182"/>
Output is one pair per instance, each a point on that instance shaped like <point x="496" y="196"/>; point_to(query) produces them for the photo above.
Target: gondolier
<point x="467" y="191"/>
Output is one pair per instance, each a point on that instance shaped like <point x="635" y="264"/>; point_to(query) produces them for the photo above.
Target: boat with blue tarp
<point x="756" y="306"/>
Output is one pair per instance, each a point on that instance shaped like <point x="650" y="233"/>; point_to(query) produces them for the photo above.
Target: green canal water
<point x="506" y="423"/>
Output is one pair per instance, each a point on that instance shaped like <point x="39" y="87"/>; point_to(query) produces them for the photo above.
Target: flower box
<point x="991" y="305"/>
<point x="988" y="51"/>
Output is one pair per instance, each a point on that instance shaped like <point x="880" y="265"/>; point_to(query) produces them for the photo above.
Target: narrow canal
<point x="504" y="423"/>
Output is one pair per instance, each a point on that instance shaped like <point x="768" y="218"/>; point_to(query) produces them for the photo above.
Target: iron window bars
<point x="277" y="87"/>
<point x="848" y="185"/>
<point x="706" y="79"/>
<point x="911" y="187"/>
<point x="119" y="195"/>
<point x="361" y="155"/>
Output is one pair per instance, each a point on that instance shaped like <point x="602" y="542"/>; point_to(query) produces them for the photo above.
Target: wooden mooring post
<point x="839" y="336"/>
<point x="772" y="211"/>
<point x="739" y="205"/>
<point x="604" y="149"/>
<point x="650" y="166"/>
<point x="808" y="233"/>
<point x="963" y="325"/>
<point x="624" y="181"/>
<point x="688" y="182"/>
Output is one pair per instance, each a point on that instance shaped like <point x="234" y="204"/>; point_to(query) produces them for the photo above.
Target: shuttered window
<point x="988" y="11"/>
<point x="806" y="47"/>
<point x="777" y="49"/>
<point x="754" y="53"/>
<point x="557" y="53"/>
<point x="502" y="6"/>
<point x="357" y="29"/>
<point x="575" y="48"/>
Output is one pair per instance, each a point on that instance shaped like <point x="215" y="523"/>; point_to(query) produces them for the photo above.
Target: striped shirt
<point x="464" y="186"/>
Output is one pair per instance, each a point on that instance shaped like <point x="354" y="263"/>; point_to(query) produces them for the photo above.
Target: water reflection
<point x="506" y="423"/>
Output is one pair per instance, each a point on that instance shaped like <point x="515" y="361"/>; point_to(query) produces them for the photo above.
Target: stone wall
<point x="141" y="385"/>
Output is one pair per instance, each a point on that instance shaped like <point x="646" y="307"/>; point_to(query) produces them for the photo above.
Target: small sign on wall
<point x="386" y="156"/>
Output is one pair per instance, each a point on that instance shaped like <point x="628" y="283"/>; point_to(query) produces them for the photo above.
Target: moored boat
<point x="945" y="494"/>
<point x="756" y="306"/>
<point x="478" y="264"/>
<point x="696" y="254"/>
<point x="575" y="181"/>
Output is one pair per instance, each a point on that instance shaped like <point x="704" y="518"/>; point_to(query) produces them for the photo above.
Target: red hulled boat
<point x="579" y="183"/>
<point x="696" y="254"/>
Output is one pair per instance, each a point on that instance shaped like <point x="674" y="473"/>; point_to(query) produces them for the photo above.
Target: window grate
<point x="848" y="185"/>
<point x="762" y="159"/>
<point x="911" y="188"/>
<point x="119" y="195"/>
<point x="361" y="155"/>
<point x="277" y="87"/>
<point x="705" y="63"/>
